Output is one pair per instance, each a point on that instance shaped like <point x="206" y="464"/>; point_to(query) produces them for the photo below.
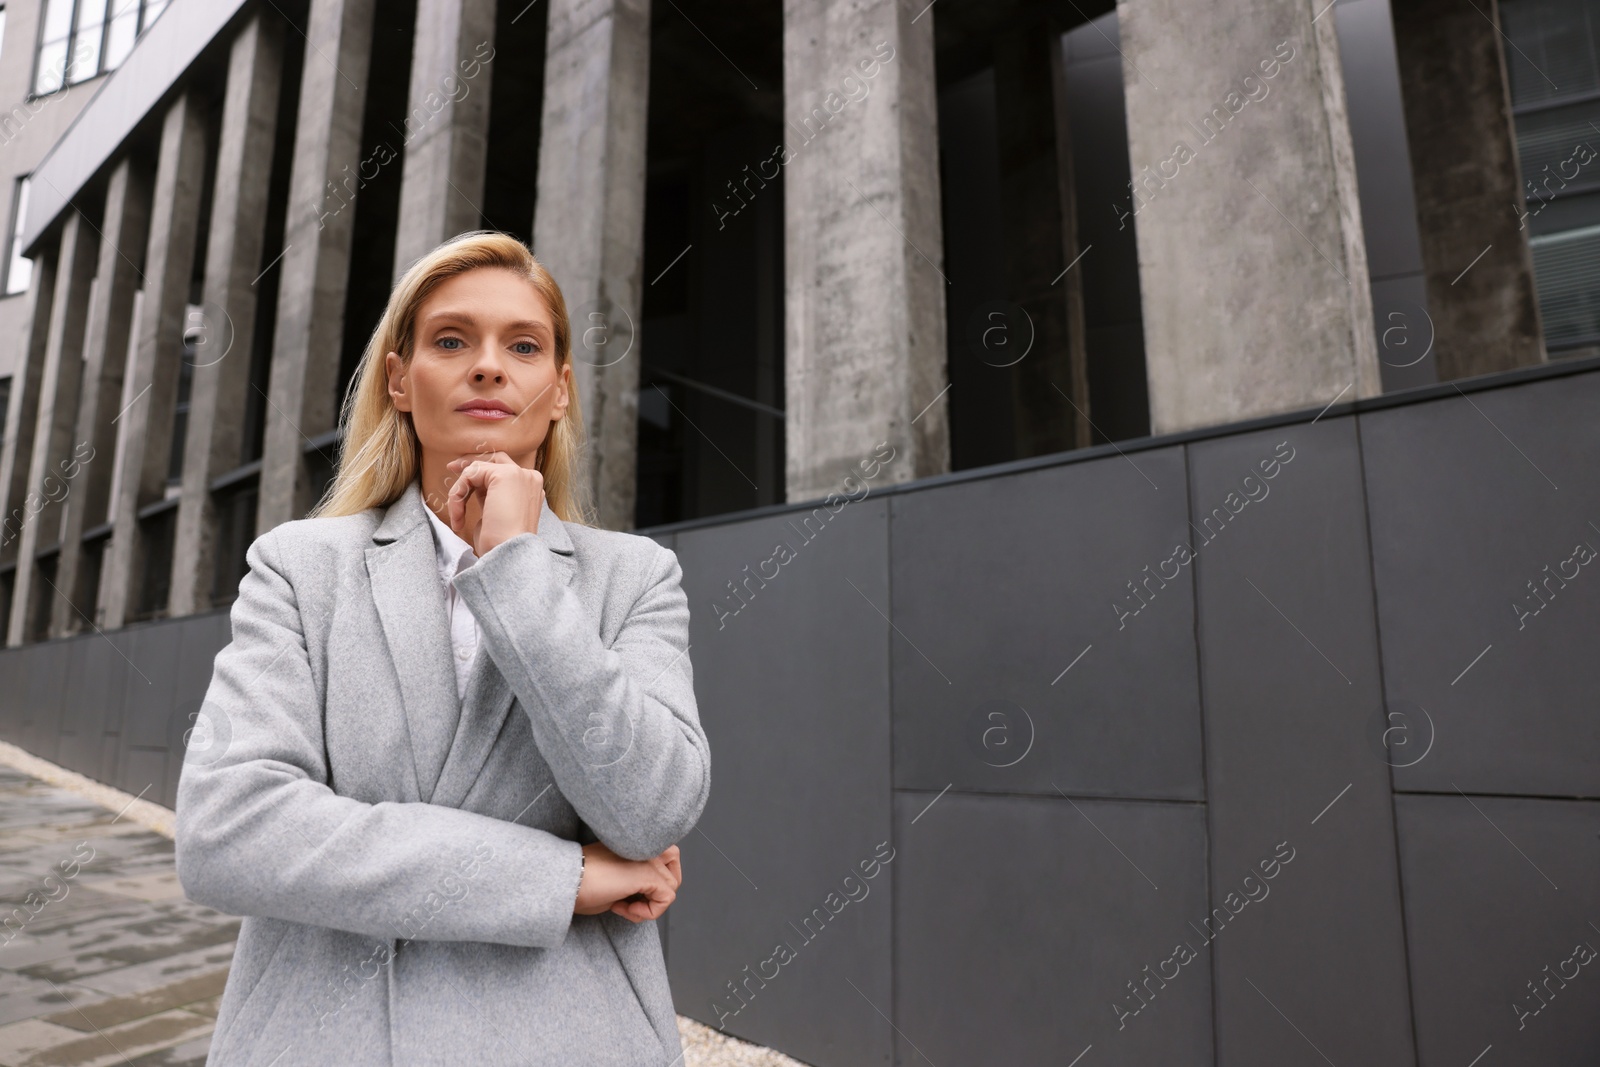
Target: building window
<point x="1553" y="62"/>
<point x="81" y="39"/>
<point x="17" y="271"/>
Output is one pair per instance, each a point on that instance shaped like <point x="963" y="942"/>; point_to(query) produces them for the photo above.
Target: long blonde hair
<point x="380" y="454"/>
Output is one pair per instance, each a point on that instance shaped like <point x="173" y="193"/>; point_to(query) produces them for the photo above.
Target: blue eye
<point x="526" y="348"/>
<point x="448" y="342"/>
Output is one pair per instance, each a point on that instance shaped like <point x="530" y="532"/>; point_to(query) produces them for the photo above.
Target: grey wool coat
<point x="407" y="865"/>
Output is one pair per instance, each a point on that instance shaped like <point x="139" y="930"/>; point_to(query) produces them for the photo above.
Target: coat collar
<point x="450" y="737"/>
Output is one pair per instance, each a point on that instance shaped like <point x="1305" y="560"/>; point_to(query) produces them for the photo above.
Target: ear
<point x="564" y="395"/>
<point x="395" y="369"/>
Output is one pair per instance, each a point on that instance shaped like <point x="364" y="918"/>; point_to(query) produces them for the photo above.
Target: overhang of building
<point x="124" y="101"/>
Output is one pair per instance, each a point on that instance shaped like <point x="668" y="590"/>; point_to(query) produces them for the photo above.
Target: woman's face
<point x="483" y="375"/>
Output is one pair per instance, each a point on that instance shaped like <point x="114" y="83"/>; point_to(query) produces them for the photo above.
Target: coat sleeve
<point x="617" y="724"/>
<point x="260" y="832"/>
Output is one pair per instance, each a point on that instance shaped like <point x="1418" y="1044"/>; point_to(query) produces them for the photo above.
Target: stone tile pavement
<point x="102" y="959"/>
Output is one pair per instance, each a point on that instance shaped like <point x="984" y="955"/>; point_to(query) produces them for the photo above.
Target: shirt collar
<point x="454" y="555"/>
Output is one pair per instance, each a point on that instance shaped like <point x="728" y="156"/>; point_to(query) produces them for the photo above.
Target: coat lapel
<point x="489" y="696"/>
<point x="404" y="573"/>
<point x="447" y="754"/>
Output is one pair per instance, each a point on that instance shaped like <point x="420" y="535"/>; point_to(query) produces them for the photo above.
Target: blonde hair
<point x="380" y="454"/>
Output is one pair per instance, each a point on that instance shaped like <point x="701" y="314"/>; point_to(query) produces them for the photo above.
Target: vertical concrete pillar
<point x="214" y="441"/>
<point x="589" y="225"/>
<point x="316" y="259"/>
<point x="1469" y="187"/>
<point x="16" y="457"/>
<point x="1252" y="264"/>
<point x="145" y="456"/>
<point x="124" y="235"/>
<point x="863" y="245"/>
<point x="446" y="126"/>
<point x="48" y="483"/>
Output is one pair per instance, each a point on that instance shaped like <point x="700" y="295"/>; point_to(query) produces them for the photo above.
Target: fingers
<point x="671" y="866"/>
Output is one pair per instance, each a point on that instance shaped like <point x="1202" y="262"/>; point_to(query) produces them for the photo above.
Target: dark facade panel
<point x="96" y="682"/>
<point x="1503" y="929"/>
<point x="792" y="683"/>
<point x="44" y="685"/>
<point x="1486" y="548"/>
<point x="154" y="651"/>
<point x="1026" y="658"/>
<point x="11" y="694"/>
<point x="1291" y="689"/>
<point x="1028" y="929"/>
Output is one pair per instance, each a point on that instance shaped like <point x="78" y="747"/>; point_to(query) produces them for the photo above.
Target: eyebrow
<point x="532" y="325"/>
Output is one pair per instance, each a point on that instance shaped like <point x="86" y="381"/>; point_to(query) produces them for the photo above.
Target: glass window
<point x="86" y="40"/>
<point x="53" y="40"/>
<point x="1553" y="64"/>
<point x="82" y="39"/>
<point x="18" y="271"/>
<point x="122" y="26"/>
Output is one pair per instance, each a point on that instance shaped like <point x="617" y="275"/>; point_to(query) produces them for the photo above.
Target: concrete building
<point x="999" y="232"/>
<point x="984" y="238"/>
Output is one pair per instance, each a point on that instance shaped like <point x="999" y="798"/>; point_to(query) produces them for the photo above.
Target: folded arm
<point x="259" y="831"/>
<point x="618" y="725"/>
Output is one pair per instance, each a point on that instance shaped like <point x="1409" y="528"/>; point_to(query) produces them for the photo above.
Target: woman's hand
<point x="634" y="889"/>
<point x="506" y="496"/>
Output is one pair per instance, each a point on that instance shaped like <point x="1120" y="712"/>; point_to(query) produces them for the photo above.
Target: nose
<point x="488" y="368"/>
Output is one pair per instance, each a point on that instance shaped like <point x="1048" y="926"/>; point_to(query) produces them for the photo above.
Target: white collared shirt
<point x="454" y="556"/>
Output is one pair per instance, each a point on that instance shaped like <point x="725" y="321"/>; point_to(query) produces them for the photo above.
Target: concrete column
<point x="123" y="236"/>
<point x="48" y="480"/>
<point x="316" y="260"/>
<point x="863" y="244"/>
<point x="1252" y="264"/>
<point x="214" y="440"/>
<point x="1469" y="187"/>
<point x="589" y="225"/>
<point x="16" y="457"/>
<point x="446" y="125"/>
<point x="144" y="458"/>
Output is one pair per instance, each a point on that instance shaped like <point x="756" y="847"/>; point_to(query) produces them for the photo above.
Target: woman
<point x="444" y="761"/>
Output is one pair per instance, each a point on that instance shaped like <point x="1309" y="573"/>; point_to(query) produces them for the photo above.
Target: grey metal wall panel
<point x="46" y="679"/>
<point x="1028" y="929"/>
<point x="1023" y="661"/>
<point x="1472" y="498"/>
<point x="93" y="682"/>
<point x="11" y="696"/>
<point x="1500" y="893"/>
<point x="143" y="772"/>
<point x="793" y="690"/>
<point x="1289" y="665"/>
<point x="154" y="653"/>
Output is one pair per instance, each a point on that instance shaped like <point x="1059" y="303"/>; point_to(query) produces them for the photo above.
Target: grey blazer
<point x="406" y="865"/>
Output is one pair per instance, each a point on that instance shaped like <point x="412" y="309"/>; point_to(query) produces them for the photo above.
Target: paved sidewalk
<point x="102" y="959"/>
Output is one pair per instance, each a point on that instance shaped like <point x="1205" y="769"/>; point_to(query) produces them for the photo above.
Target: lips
<point x="486" y="409"/>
